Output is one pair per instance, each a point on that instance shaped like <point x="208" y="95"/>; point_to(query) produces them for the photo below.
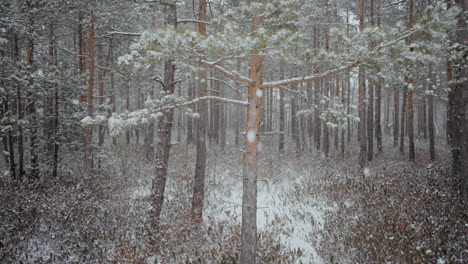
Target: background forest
<point x="210" y="131"/>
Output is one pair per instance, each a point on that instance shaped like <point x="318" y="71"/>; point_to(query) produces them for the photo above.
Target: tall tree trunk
<point x="238" y="109"/>
<point x="164" y="132"/>
<point x="461" y="98"/>
<point x="281" y="121"/>
<point x="89" y="130"/>
<point x="348" y="104"/>
<point x="294" y="123"/>
<point x="362" y="95"/>
<point x="55" y="110"/>
<point x="326" y="91"/>
<point x="32" y="104"/>
<point x="19" y="112"/>
<point x="431" y="117"/>
<point x="337" y="94"/>
<point x="412" y="155"/>
<point x="200" y="166"/>
<point x="100" y="81"/>
<point x="189" y="121"/>
<point x="396" y="116"/>
<point x="310" y="124"/>
<point x="370" y="106"/>
<point x="8" y="146"/>
<point x="403" y="118"/>
<point x="370" y="123"/>
<point x="249" y="195"/>
<point x="378" y="103"/>
<point x="317" y="121"/>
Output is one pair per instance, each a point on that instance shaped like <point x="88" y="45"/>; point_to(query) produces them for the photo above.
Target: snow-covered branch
<point x="226" y="73"/>
<point x="201" y="99"/>
<point x="311" y="77"/>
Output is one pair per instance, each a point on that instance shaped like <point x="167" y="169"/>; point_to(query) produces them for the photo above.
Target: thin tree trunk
<point x="403" y="118"/>
<point x="190" y="120"/>
<point x="412" y="155"/>
<point x="370" y="106"/>
<point x="370" y="123"/>
<point x="294" y="124"/>
<point x="431" y="117"/>
<point x="100" y="81"/>
<point x="238" y="109"/>
<point x="396" y="123"/>
<point x="19" y="112"/>
<point x="362" y="95"/>
<point x="32" y="107"/>
<point x="281" y="121"/>
<point x="89" y="130"/>
<point x="461" y="107"/>
<point x="378" y="103"/>
<point x="326" y="91"/>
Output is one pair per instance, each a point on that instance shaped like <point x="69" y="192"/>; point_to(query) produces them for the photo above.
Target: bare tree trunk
<point x="249" y="195"/>
<point x="326" y="91"/>
<point x="281" y="121"/>
<point x="378" y="103"/>
<point x="370" y="106"/>
<point x="403" y="118"/>
<point x="317" y="121"/>
<point x="89" y="130"/>
<point x="200" y="166"/>
<point x="412" y="155"/>
<point x="32" y="104"/>
<point x="190" y="120"/>
<point x="337" y="94"/>
<point x="238" y="109"/>
<point x="362" y="95"/>
<point x="294" y="124"/>
<point x="164" y="133"/>
<point x="310" y="125"/>
<point x="461" y="106"/>
<point x="370" y="123"/>
<point x="431" y="117"/>
<point x="396" y="109"/>
<point x="19" y="112"/>
<point x="101" y="75"/>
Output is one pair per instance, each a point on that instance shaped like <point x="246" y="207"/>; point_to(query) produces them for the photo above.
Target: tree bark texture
<point x="164" y="131"/>
<point x="200" y="166"/>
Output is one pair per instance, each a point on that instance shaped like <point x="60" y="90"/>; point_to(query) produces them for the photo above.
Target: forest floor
<point x="311" y="210"/>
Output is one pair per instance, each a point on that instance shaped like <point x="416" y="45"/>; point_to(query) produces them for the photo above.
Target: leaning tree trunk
<point x="164" y="134"/>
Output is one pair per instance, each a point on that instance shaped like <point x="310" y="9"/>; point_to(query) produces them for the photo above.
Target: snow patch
<point x="367" y="172"/>
<point x="259" y="93"/>
<point x="251" y="135"/>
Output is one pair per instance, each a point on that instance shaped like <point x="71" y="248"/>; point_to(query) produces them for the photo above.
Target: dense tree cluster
<point x="79" y="76"/>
